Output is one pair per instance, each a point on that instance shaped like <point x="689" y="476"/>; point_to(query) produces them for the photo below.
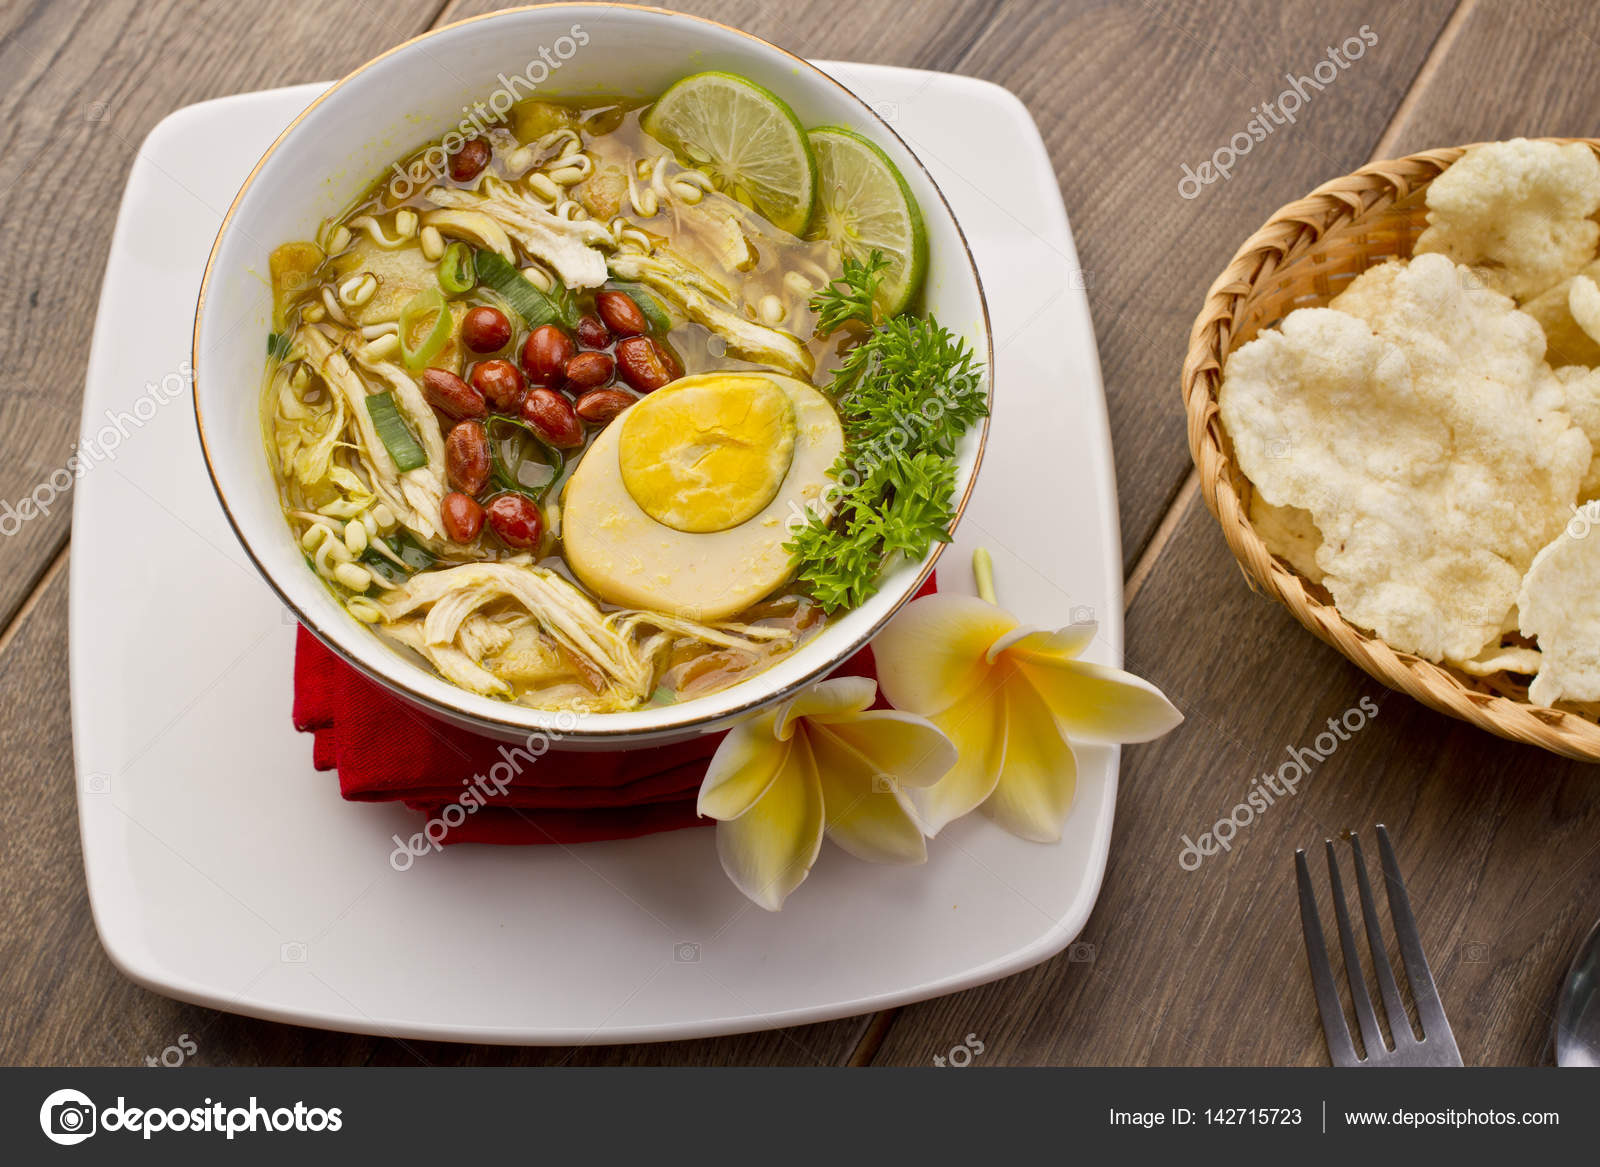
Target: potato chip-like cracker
<point x="1417" y="423"/>
<point x="1518" y="212"/>
<point x="1559" y="603"/>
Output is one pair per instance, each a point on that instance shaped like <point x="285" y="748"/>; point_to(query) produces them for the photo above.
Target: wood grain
<point x="1500" y="845"/>
<point x="923" y="34"/>
<point x="174" y="55"/>
<point x="67" y="1004"/>
<point x="88" y="81"/>
<point x="1125" y="96"/>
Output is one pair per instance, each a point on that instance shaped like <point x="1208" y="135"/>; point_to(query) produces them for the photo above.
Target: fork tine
<point x="1393" y="1004"/>
<point x="1371" y="1034"/>
<point x="1340" y="1048"/>
<point x="1435" y="1027"/>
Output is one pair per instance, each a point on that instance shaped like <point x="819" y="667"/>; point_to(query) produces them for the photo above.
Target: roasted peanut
<point x="599" y="406"/>
<point x="552" y="418"/>
<point x="516" y="519"/>
<point x="643" y="365"/>
<point x="501" y="384"/>
<point x="466" y="457"/>
<point x="461" y="517"/>
<point x="452" y="396"/>
<point x="621" y="314"/>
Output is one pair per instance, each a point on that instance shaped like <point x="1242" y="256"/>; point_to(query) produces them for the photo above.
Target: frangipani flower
<point x="1009" y="697"/>
<point x="822" y="762"/>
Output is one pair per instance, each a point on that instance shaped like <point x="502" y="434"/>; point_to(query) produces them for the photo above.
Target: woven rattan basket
<point x="1304" y="256"/>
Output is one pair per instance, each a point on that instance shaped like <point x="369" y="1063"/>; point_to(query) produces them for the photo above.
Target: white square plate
<point x="223" y="869"/>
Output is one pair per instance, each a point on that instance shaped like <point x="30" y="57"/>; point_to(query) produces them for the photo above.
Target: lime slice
<point x="746" y="140"/>
<point x="863" y="205"/>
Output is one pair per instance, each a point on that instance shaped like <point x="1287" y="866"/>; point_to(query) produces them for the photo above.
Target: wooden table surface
<point x="1500" y="844"/>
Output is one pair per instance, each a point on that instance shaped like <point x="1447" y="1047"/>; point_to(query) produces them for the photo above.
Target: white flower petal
<point x="865" y="815"/>
<point x="976" y="726"/>
<point x="1068" y="642"/>
<point x="742" y="769"/>
<point x="769" y="850"/>
<point x="1036" y="787"/>
<point x="932" y="653"/>
<point x="910" y="749"/>
<point x="1093" y="703"/>
<point x="830" y="698"/>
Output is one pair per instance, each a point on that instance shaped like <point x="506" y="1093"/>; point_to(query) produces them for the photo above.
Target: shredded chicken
<point x="570" y="246"/>
<point x="564" y="635"/>
<point x="702" y="300"/>
<point x="414" y="495"/>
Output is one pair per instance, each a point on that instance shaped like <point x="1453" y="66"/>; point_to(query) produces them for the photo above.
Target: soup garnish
<point x="597" y="414"/>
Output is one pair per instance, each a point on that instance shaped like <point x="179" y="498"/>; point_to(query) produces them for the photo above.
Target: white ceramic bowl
<point x="414" y="94"/>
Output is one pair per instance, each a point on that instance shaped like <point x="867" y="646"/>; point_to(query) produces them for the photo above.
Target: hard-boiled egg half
<point x="684" y="502"/>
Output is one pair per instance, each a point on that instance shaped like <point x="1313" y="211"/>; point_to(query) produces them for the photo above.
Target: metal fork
<point x="1437" y="1047"/>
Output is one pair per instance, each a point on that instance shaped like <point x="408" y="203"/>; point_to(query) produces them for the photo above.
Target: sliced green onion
<point x="663" y="696"/>
<point x="278" y="345"/>
<point x="518" y="460"/>
<point x="406" y="549"/>
<point x="416" y="356"/>
<point x="396" y="436"/>
<point x="657" y="316"/>
<point x="535" y="307"/>
<point x="456" y="274"/>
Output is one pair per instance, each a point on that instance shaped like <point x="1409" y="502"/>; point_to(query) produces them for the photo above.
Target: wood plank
<point x="923" y="34"/>
<point x="1497" y="842"/>
<point x="1511" y="69"/>
<point x="1125" y="96"/>
<point x="88" y="81"/>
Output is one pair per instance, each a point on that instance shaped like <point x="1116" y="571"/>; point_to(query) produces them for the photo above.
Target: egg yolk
<point x="707" y="455"/>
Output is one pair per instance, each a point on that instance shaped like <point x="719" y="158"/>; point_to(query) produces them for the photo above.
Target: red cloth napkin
<point x="475" y="789"/>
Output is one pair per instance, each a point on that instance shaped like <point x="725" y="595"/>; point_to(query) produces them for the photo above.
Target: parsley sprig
<point x="906" y="395"/>
<point x="850" y="297"/>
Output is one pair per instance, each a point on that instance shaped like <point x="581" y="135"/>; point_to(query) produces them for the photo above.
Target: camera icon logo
<point x="1476" y="952"/>
<point x="1081" y="953"/>
<point x="67" y="1117"/>
<point x="1280" y="448"/>
<point x="685" y="952"/>
<point x="292" y="952"/>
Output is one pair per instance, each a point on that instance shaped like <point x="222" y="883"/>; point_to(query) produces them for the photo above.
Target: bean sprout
<point x="364" y="610"/>
<point x="332" y="306"/>
<point x="543" y="186"/>
<point x="381" y="348"/>
<point x="353" y="576"/>
<point x="375" y="230"/>
<point x="432" y="244"/>
<point x="798" y="284"/>
<point x="358" y="289"/>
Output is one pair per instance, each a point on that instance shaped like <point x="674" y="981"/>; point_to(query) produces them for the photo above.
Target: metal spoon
<point x="1577" y="1026"/>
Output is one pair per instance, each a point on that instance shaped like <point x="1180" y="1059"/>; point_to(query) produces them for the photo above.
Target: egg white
<point x="628" y="558"/>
